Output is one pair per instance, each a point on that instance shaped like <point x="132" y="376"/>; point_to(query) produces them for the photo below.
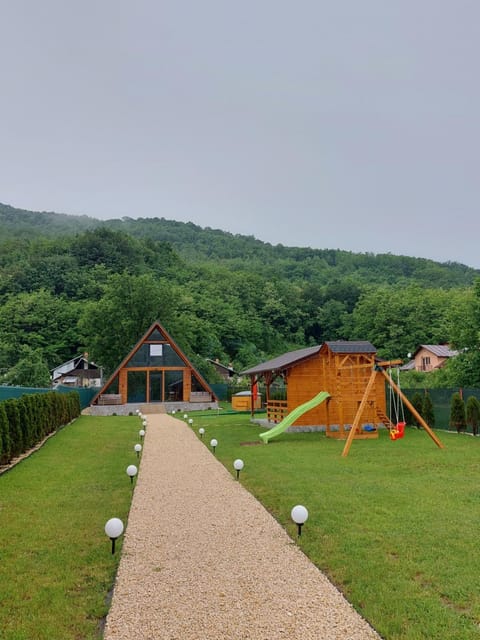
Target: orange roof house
<point x="157" y="376"/>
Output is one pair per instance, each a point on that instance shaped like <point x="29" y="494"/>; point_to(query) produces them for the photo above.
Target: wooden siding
<point x="345" y="377"/>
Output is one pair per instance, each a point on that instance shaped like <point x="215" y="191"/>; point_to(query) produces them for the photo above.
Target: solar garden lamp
<point x="201" y="431"/>
<point x="138" y="448"/>
<point x="299" y="515"/>
<point x="213" y="444"/>
<point x="238" y="466"/>
<point x="173" y="412"/>
<point x="114" y="529"/>
<point x="132" y="472"/>
<point x="144" y="424"/>
<point x="185" y="416"/>
<point x="141" y="433"/>
<point x="190" y="421"/>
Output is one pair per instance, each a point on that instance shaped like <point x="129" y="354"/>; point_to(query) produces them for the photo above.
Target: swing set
<point x="397" y="401"/>
<point x="395" y="406"/>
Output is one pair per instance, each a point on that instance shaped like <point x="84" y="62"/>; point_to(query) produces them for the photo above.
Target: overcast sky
<point x="344" y="124"/>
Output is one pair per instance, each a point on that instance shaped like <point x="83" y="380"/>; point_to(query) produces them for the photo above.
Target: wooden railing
<point x="276" y="410"/>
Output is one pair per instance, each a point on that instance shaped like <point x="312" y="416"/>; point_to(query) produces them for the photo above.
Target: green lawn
<point x="394" y="525"/>
<point x="56" y="566"/>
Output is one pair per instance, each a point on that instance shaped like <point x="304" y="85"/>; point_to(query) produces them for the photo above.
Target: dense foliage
<point x="70" y="284"/>
<point x="26" y="421"/>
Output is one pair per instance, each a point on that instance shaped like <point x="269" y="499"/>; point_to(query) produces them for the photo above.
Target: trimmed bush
<point x="457" y="413"/>
<point x="473" y="414"/>
<point x="26" y="421"/>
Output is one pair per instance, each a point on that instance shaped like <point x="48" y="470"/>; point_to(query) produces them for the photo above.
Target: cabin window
<point x="425" y="363"/>
<point x="174" y="386"/>
<point x="162" y="355"/>
<point x="137" y="386"/>
<point x="112" y="387"/>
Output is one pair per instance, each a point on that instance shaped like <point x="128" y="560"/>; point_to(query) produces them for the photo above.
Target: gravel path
<point x="203" y="560"/>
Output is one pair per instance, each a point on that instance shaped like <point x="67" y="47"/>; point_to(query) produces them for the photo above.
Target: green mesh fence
<point x="17" y="392"/>
<point x="441" y="399"/>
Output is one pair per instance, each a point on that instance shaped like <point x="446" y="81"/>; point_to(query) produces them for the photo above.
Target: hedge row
<point x="25" y="421"/>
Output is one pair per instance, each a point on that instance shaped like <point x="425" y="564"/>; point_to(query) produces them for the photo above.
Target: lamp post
<point x="114" y="529"/>
<point x="132" y="472"/>
<point x="138" y="448"/>
<point x="213" y="444"/>
<point x="238" y="466"/>
<point x="201" y="431"/>
<point x="299" y="515"/>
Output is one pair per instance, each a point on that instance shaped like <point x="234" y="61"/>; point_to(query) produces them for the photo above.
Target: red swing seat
<point x="398" y="432"/>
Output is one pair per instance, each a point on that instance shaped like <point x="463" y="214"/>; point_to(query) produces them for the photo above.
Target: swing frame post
<point x="412" y="409"/>
<point x="358" y="415"/>
<point x="379" y="368"/>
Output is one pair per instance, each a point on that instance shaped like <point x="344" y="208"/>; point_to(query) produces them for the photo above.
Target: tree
<point x="5" y="441"/>
<point x="31" y="370"/>
<point x="427" y="410"/>
<point x="113" y="324"/>
<point x="473" y="414"/>
<point x="457" y="413"/>
<point x="417" y="402"/>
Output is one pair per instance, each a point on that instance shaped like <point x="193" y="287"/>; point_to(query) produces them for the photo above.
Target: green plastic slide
<point x="293" y="415"/>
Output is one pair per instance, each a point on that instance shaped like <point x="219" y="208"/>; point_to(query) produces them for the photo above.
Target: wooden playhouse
<point x="344" y="369"/>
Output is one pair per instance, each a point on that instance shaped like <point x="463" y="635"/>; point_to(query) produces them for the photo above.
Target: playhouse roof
<point x="351" y="346"/>
<point x="284" y="361"/>
<point x="292" y="358"/>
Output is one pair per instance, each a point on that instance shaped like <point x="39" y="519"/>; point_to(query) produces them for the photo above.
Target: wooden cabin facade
<point x="344" y="369"/>
<point x="155" y="372"/>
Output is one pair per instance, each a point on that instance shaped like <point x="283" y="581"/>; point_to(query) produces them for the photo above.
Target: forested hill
<point x="70" y="284"/>
<point x="245" y="253"/>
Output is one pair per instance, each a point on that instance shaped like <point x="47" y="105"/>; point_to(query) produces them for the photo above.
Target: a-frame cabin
<point x="158" y="374"/>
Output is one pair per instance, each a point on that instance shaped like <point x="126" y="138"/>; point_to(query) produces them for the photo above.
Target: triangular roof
<point x="439" y="350"/>
<point x="72" y="364"/>
<point x="155" y="327"/>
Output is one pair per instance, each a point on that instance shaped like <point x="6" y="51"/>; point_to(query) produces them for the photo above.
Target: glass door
<point x="156" y="386"/>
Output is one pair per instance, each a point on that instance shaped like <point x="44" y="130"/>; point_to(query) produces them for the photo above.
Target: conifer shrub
<point x="417" y="402"/>
<point x="473" y="414"/>
<point x="26" y="421"/>
<point x="457" y="413"/>
<point x="427" y="410"/>
<point x="5" y="440"/>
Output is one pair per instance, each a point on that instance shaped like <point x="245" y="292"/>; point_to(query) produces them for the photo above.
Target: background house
<point x="428" y="357"/>
<point x="226" y="372"/>
<point x="78" y="372"/>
